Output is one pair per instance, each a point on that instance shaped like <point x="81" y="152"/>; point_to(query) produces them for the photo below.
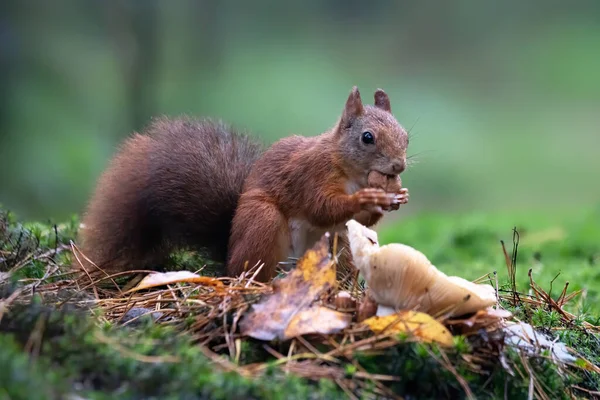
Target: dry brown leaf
<point x="421" y="325"/>
<point x="317" y="319"/>
<point x="285" y="313"/>
<point x="167" y="278"/>
<point x="488" y="318"/>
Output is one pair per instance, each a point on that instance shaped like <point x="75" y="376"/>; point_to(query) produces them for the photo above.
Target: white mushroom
<point x="401" y="277"/>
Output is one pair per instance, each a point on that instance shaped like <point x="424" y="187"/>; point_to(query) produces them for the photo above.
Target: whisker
<point x="411" y="162"/>
<point x="419" y="154"/>
<point x="416" y="158"/>
<point x="409" y="132"/>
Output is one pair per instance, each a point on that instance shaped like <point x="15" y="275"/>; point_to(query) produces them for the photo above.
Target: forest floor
<point x="63" y="339"/>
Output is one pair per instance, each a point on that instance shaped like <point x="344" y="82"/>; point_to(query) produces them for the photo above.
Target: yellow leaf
<point x="167" y="278"/>
<point x="416" y="323"/>
<point x="289" y="311"/>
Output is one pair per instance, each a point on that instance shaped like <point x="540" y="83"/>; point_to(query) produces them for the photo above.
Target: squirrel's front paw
<point x="399" y="198"/>
<point x="368" y="198"/>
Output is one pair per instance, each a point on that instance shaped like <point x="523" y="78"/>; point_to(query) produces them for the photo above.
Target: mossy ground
<point x="53" y="353"/>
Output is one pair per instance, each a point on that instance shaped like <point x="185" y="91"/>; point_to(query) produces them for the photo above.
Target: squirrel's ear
<point x="353" y="109"/>
<point x="382" y="100"/>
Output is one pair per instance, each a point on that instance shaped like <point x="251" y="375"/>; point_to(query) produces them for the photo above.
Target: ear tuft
<point x="353" y="108"/>
<point x="382" y="100"/>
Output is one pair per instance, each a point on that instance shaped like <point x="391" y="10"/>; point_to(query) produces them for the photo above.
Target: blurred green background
<point x="502" y="98"/>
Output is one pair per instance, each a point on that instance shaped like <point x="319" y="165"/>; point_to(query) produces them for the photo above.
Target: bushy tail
<point x="176" y="185"/>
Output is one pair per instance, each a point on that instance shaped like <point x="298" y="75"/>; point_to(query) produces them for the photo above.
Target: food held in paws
<point x="389" y="183"/>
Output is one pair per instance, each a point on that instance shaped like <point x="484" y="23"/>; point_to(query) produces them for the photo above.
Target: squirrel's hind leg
<point x="259" y="233"/>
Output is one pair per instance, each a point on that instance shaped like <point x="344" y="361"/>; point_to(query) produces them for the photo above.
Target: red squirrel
<point x="188" y="183"/>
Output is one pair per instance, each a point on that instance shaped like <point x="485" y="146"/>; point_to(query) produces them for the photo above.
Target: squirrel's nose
<point x="398" y="166"/>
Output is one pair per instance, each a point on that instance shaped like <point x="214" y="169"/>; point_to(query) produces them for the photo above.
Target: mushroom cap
<point x="457" y="296"/>
<point x="401" y="277"/>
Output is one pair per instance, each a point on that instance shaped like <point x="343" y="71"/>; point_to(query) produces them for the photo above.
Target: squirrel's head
<point x="370" y="137"/>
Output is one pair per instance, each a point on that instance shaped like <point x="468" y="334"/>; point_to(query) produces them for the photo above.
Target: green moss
<point x="193" y="261"/>
<point x="91" y="360"/>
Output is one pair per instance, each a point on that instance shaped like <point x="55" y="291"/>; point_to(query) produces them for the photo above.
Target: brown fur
<point x="187" y="183"/>
<point x="175" y="186"/>
<point x="306" y="179"/>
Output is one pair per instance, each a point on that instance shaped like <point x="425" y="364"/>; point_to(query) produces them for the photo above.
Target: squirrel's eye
<point x="367" y="138"/>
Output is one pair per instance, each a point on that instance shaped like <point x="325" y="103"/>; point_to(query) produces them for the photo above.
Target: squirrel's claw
<point x="399" y="199"/>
